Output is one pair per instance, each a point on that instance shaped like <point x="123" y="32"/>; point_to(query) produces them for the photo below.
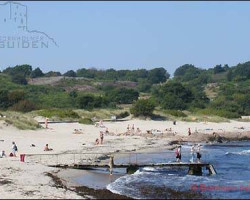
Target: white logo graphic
<point x="14" y="30"/>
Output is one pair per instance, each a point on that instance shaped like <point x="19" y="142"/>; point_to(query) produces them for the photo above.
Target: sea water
<point x="231" y="161"/>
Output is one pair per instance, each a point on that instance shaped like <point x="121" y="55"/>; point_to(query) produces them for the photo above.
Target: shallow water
<point x="230" y="160"/>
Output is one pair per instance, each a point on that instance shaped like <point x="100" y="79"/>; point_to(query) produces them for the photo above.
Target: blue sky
<point x="132" y="35"/>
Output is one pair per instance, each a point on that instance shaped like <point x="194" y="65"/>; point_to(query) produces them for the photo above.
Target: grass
<point x="20" y="121"/>
<point x="58" y="114"/>
<point x="100" y="113"/>
<point x="189" y="116"/>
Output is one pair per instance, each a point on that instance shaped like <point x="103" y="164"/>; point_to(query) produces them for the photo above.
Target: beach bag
<point x="11" y="155"/>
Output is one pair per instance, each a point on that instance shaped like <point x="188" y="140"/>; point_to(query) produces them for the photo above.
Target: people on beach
<point x="14" y="148"/>
<point x="46" y="148"/>
<point x="133" y="127"/>
<point x="101" y="137"/>
<point x="96" y="141"/>
<point x="128" y="128"/>
<point x="189" y="131"/>
<point x="192" y="153"/>
<point x="178" y="153"/>
<point x="174" y="122"/>
<point x="198" y="152"/>
<point x="138" y="131"/>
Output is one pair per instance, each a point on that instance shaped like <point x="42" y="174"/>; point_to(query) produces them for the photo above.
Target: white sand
<point x="28" y="179"/>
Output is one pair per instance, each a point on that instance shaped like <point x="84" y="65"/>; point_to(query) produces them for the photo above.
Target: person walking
<point x="192" y="153"/>
<point x="14" y="148"/>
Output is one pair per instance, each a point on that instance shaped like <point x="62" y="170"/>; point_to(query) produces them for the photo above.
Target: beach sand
<point x="31" y="179"/>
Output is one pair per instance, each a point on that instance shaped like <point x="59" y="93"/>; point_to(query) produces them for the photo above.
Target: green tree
<point x="143" y="107"/>
<point x="24" y="70"/>
<point x="70" y="73"/>
<point x="4" y="100"/>
<point x="36" y="73"/>
<point x="122" y="95"/>
<point x="158" y="75"/>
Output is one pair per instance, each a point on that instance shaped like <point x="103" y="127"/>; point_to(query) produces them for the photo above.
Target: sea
<point x="230" y="160"/>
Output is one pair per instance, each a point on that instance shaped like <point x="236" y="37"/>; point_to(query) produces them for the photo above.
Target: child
<point x="96" y="141"/>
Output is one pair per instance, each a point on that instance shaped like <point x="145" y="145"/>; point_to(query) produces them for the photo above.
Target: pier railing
<point x="103" y="158"/>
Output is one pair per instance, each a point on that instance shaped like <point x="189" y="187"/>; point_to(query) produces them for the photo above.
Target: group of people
<point x="132" y="130"/>
<point x="100" y="141"/>
<point x="194" y="149"/>
<point x="13" y="151"/>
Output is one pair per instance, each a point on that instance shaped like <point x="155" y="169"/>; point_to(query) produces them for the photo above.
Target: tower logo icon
<point x="14" y="29"/>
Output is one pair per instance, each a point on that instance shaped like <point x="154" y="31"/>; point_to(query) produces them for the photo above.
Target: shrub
<point x="59" y="113"/>
<point x="86" y="121"/>
<point x="123" y="115"/>
<point x="143" y="107"/>
<point x="122" y="95"/>
<point x="19" y="79"/>
<point x="24" y="106"/>
<point x="89" y="101"/>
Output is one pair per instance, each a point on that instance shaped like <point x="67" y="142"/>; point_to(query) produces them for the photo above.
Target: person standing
<point x="189" y="131"/>
<point x="178" y="154"/>
<point x="198" y="152"/>
<point x="192" y="153"/>
<point x="14" y="148"/>
<point x="46" y="122"/>
<point x="101" y="137"/>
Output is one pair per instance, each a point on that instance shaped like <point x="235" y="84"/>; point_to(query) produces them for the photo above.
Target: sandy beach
<point x="30" y="179"/>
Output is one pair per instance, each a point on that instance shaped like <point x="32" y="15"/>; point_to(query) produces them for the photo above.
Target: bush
<point x="89" y="101"/>
<point x="122" y="95"/>
<point x="143" y="107"/>
<point x="19" y="79"/>
<point x="86" y="121"/>
<point x="59" y="113"/>
<point x="123" y="115"/>
<point x="24" y="106"/>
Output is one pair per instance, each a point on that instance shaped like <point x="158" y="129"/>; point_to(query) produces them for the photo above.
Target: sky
<point x="133" y="35"/>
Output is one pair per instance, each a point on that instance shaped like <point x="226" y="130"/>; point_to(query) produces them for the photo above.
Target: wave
<point x="244" y="152"/>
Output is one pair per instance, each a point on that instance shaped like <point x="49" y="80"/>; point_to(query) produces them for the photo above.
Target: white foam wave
<point x="244" y="152"/>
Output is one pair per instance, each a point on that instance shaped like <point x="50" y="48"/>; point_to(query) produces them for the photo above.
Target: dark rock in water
<point x="174" y="142"/>
<point x="219" y="140"/>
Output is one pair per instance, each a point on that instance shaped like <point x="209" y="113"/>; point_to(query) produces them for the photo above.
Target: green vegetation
<point x="59" y="113"/>
<point x="23" y="122"/>
<point x="143" y="107"/>
<point x="221" y="91"/>
<point x="86" y="121"/>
